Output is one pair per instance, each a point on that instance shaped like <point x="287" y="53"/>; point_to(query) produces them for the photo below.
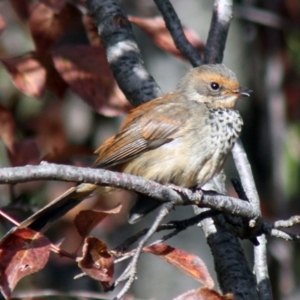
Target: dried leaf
<point x="22" y="8"/>
<point x="33" y="73"/>
<point x="87" y="220"/>
<point x="48" y="26"/>
<point x="24" y="152"/>
<point x="67" y="154"/>
<point x="91" y="30"/>
<point x="204" y="294"/>
<point x="22" y="253"/>
<point x="55" y="5"/>
<point x="2" y="24"/>
<point x="7" y="128"/>
<point x="87" y="72"/>
<point x="156" y="29"/>
<point x="28" y="74"/>
<point x="186" y="262"/>
<point x="96" y="261"/>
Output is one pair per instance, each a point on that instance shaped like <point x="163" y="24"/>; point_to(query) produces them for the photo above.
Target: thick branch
<point x="174" y="26"/>
<point x="122" y="51"/>
<point x="124" y="181"/>
<point x="218" y="31"/>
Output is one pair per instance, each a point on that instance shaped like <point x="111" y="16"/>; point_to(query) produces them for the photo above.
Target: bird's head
<point x="213" y="84"/>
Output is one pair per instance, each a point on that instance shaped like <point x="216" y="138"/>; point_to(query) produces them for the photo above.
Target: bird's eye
<point x="215" y="86"/>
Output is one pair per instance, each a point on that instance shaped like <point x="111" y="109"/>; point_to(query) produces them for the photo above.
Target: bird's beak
<point x="243" y="92"/>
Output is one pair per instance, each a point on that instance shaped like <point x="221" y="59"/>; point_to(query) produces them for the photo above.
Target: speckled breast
<point x="226" y="126"/>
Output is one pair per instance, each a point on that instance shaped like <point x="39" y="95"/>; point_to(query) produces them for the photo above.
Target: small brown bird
<point x="182" y="138"/>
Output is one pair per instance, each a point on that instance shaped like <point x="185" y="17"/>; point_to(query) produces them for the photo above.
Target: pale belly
<point x="192" y="165"/>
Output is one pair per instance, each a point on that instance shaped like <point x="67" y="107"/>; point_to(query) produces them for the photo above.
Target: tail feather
<point x="58" y="207"/>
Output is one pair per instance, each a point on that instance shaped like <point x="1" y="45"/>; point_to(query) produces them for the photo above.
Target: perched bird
<point x="182" y="138"/>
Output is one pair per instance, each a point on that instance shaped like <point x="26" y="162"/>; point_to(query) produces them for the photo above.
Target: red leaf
<point x="24" y="152"/>
<point x="156" y="29"/>
<point x="22" y="8"/>
<point x="7" y="128"/>
<point x="28" y="74"/>
<point x="186" y="262"/>
<point x="86" y="70"/>
<point x="22" y="253"/>
<point x="87" y="220"/>
<point x="55" y="5"/>
<point x="91" y="30"/>
<point x="96" y="261"/>
<point x="33" y="73"/>
<point x="48" y="26"/>
<point x="204" y="294"/>
<point x="2" y="24"/>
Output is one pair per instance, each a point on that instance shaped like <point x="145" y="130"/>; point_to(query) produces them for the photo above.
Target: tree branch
<point x="122" y="52"/>
<point x="218" y="31"/>
<point x="125" y="181"/>
<point x="174" y="26"/>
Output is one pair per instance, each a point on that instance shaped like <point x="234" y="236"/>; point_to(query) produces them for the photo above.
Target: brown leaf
<point x="28" y="74"/>
<point x="86" y="70"/>
<point x="33" y="73"/>
<point x="24" y="153"/>
<point x="48" y="26"/>
<point x="67" y="154"/>
<point x="96" y="261"/>
<point x="156" y="29"/>
<point x="204" y="294"/>
<point x="55" y="5"/>
<point x="91" y="30"/>
<point x="87" y="220"/>
<point x="22" y="8"/>
<point x="186" y="262"/>
<point x="7" y="128"/>
<point x="22" y="253"/>
<point x="2" y="24"/>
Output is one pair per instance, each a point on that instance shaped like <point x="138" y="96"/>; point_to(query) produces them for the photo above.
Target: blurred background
<point x="58" y="103"/>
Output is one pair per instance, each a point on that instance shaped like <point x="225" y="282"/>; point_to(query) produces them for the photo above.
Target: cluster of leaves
<point x="56" y="65"/>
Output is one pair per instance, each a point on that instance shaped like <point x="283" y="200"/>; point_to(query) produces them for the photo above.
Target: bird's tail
<point x="58" y="207"/>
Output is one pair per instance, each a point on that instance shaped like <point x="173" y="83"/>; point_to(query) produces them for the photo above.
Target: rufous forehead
<point x="229" y="83"/>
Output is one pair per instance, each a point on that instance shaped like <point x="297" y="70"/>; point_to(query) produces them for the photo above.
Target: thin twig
<point x="130" y="271"/>
<point x="177" y="225"/>
<point x="174" y="26"/>
<point x="218" y="31"/>
<point x="261" y="272"/>
<point x="294" y="220"/>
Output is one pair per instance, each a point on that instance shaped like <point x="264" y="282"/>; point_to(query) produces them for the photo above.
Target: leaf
<point x="33" y="74"/>
<point x="96" y="261"/>
<point x="91" y="30"/>
<point x="7" y="128"/>
<point x="28" y="74"/>
<point x="22" y="8"/>
<point x="186" y="262"/>
<point x="55" y="5"/>
<point x="22" y="253"/>
<point x="66" y="154"/>
<point x="87" y="72"/>
<point x="48" y="25"/>
<point x="87" y="220"/>
<point x="24" y="152"/>
<point x="156" y="29"/>
<point x="2" y="24"/>
<point x="204" y="294"/>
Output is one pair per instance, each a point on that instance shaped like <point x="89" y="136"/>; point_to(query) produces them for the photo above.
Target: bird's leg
<point x="129" y="275"/>
<point x="193" y="194"/>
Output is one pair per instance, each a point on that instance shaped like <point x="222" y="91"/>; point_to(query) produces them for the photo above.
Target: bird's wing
<point x="147" y="127"/>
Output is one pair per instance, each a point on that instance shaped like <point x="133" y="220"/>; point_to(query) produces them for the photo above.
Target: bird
<point x="181" y="138"/>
